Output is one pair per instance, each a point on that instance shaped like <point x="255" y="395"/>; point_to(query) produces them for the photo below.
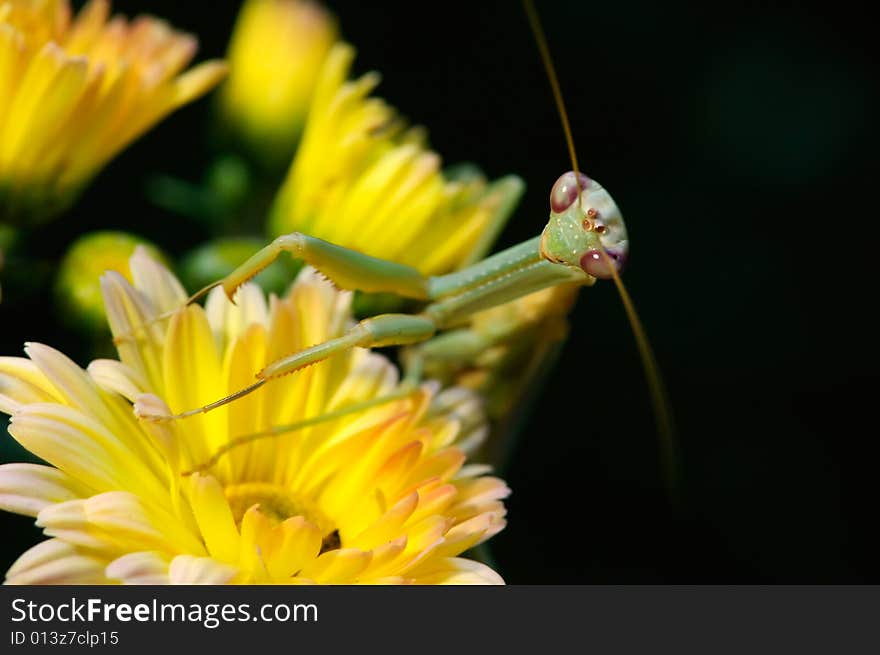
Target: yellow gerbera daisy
<point x="76" y="91"/>
<point x="360" y="180"/>
<point x="275" y="54"/>
<point x="380" y="496"/>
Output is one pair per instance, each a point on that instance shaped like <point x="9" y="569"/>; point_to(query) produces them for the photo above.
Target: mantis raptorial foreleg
<point x="351" y="269"/>
<point x="347" y="268"/>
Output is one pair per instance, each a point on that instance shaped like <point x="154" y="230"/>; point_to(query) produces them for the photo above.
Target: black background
<point x="740" y="142"/>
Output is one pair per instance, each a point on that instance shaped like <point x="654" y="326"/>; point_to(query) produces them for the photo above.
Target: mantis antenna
<point x="657" y="389"/>
<point x="659" y="399"/>
<point x="538" y="31"/>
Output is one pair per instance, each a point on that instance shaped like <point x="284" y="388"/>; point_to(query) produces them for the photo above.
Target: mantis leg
<point x="348" y="269"/>
<point x="454" y="347"/>
<point x="406" y="388"/>
<point x="376" y="332"/>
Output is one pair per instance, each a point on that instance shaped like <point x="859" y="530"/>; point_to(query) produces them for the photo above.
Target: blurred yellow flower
<point x="360" y="179"/>
<point x="276" y="52"/>
<point x="380" y="496"/>
<point x="74" y="91"/>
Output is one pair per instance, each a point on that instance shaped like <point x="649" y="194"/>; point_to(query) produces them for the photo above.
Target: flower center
<point x="279" y="504"/>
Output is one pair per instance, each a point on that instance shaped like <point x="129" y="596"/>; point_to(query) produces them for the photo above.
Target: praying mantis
<point x="585" y="240"/>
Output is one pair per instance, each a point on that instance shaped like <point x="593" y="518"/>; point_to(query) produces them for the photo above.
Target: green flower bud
<point x="78" y="287"/>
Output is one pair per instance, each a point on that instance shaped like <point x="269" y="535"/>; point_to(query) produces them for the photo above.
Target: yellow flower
<point x="276" y="52"/>
<point x="76" y="91"/>
<point x="381" y="496"/>
<point x="361" y="180"/>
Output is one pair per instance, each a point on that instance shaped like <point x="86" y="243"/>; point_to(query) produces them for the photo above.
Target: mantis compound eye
<point x="565" y="191"/>
<point x="595" y="264"/>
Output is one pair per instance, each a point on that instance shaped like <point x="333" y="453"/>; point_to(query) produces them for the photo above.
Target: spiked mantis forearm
<point x="347" y="268"/>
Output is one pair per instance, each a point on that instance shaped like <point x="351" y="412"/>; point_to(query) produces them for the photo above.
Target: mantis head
<point x="584" y="221"/>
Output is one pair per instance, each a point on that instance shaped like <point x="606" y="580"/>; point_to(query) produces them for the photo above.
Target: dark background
<point x="739" y="142"/>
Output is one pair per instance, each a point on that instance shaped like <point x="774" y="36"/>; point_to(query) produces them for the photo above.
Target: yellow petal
<point x="12" y="50"/>
<point x="54" y="562"/>
<point x="370" y="376"/>
<point x="256" y="532"/>
<point x="122" y="517"/>
<point x="164" y="435"/>
<point x="297" y="544"/>
<point x="442" y="466"/>
<point x="22" y="383"/>
<point x="193" y="378"/>
<point x="229" y="320"/>
<point x="478" y="495"/>
<point x="74" y="385"/>
<point x="139" y="568"/>
<point x="84" y="449"/>
<point x="214" y="518"/>
<point x="422" y="540"/>
<point x="162" y="289"/>
<point x="385" y="562"/>
<point x="67" y="521"/>
<point x="198" y="81"/>
<point x="41" y="74"/>
<point x="114" y="376"/>
<point x="138" y="338"/>
<point x="340" y="566"/>
<point x="468" y="534"/>
<point x="29" y="488"/>
<point x="46" y="126"/>
<point x="388" y="527"/>
<point x="244" y="357"/>
<point x="397" y="469"/>
<point x="455" y="571"/>
<point x="186" y="569"/>
<point x="434" y="499"/>
<point x="87" y="26"/>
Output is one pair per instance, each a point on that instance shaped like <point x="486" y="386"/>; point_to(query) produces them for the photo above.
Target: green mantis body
<point x="584" y="239"/>
<point x="573" y="245"/>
